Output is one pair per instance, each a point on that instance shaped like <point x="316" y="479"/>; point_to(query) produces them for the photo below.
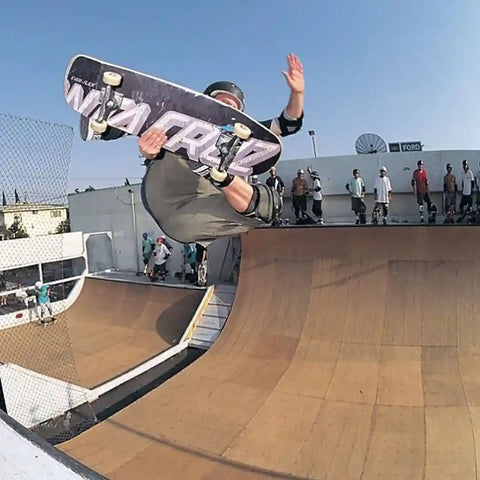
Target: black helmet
<point x="449" y="165"/>
<point x="226" y="87"/>
<point x="356" y="170"/>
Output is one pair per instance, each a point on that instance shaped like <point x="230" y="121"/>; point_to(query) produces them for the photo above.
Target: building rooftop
<point x="25" y="207"/>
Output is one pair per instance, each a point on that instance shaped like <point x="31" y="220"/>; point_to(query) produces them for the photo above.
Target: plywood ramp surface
<point x="111" y="328"/>
<point x="350" y="354"/>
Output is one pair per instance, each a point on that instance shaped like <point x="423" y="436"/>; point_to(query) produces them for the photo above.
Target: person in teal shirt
<point x="148" y="246"/>
<point x="43" y="299"/>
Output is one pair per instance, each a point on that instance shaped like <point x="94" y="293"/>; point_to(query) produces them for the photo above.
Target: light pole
<point x="314" y="142"/>
<point x="134" y="221"/>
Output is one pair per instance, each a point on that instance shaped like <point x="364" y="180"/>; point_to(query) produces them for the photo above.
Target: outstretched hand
<point x="294" y="75"/>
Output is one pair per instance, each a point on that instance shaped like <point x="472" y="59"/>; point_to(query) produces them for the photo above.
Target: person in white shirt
<point x="477" y="185"/>
<point x="317" y="195"/>
<point x="382" y="189"/>
<point x="468" y="184"/>
<point x="356" y="187"/>
<point x="161" y="254"/>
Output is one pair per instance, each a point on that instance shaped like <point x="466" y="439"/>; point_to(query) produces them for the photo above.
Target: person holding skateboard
<point x="382" y="189"/>
<point x="420" y="189"/>
<point x="356" y="188"/>
<point x="450" y="189"/>
<point x="161" y="254"/>
<point x="42" y="292"/>
<point x="468" y="184"/>
<point x="193" y="203"/>
<point x="148" y="245"/>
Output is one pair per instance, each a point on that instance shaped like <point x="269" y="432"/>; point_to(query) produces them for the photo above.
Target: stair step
<point x="210" y="321"/>
<point x="224" y="288"/>
<point x="200" y="344"/>
<point x="221" y="298"/>
<point x="205" y="334"/>
<point x="217" y="311"/>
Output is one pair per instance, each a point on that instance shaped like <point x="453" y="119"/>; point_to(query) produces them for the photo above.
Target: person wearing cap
<point x="382" y="189"/>
<point x="299" y="194"/>
<point x="42" y="291"/>
<point x="317" y="195"/>
<point x="477" y="185"/>
<point x="356" y="187"/>
<point x="468" y="185"/>
<point x="274" y="181"/>
<point x="420" y="188"/>
<point x="148" y="245"/>
<point x="161" y="254"/>
<point x="450" y="189"/>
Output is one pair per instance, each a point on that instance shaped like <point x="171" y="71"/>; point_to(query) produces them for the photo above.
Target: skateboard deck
<point x="47" y="321"/>
<point x="128" y="101"/>
<point x="202" y="274"/>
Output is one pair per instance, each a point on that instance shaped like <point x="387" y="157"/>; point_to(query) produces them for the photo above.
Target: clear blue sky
<point x="407" y="70"/>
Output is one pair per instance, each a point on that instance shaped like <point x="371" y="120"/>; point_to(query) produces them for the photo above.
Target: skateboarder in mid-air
<point x="197" y="203"/>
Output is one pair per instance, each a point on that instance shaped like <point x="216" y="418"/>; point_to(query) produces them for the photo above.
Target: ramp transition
<point x="350" y="353"/>
<point x="112" y="327"/>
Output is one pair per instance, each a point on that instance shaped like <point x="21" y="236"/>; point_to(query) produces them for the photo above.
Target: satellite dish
<point x="370" y="143"/>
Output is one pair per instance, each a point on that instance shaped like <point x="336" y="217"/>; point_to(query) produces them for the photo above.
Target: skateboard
<point x="115" y="101"/>
<point x="202" y="274"/>
<point x="432" y="214"/>
<point x="47" y="321"/>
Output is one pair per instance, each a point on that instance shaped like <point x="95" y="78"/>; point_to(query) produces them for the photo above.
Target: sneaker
<point x="320" y="221"/>
<point x="357" y="222"/>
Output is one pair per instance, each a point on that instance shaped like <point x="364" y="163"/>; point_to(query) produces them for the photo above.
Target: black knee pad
<point x="266" y="204"/>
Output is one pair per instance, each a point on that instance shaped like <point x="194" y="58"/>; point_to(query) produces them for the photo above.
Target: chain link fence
<point x="39" y="379"/>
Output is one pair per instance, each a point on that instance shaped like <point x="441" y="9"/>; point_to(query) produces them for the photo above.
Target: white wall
<point x="335" y="171"/>
<point x="110" y="209"/>
<point x="47" y="248"/>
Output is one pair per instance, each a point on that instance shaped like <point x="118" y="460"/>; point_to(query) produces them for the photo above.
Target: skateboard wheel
<point x="218" y="175"/>
<point x="98" y="127"/>
<point x="242" y="131"/>
<point x="111" y="78"/>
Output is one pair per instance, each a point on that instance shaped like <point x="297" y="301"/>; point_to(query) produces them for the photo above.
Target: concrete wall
<point x="111" y="209"/>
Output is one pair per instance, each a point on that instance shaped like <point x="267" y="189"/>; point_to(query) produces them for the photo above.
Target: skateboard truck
<point x="229" y="142"/>
<point x="109" y="101"/>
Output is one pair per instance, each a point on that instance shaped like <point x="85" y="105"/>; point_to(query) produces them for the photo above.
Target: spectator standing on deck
<point x="477" y="185"/>
<point x="3" y="288"/>
<point x="189" y="255"/>
<point x="201" y="258"/>
<point x="43" y="299"/>
<point x="317" y="195"/>
<point x="299" y="194"/>
<point x="161" y="254"/>
<point x="28" y="300"/>
<point x="275" y="182"/>
<point x="420" y="188"/>
<point x="468" y="184"/>
<point x="356" y="187"/>
<point x="450" y="189"/>
<point x="148" y="245"/>
<point x="382" y="189"/>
